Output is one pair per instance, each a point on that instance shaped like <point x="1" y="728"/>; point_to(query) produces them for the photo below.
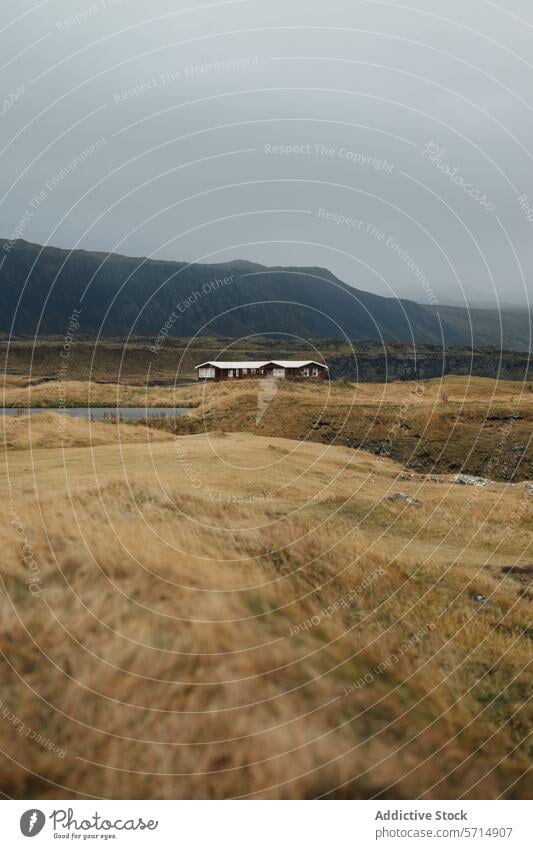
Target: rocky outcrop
<point x="381" y="368"/>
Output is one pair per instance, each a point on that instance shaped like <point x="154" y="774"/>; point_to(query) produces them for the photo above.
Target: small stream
<point x="100" y="413"/>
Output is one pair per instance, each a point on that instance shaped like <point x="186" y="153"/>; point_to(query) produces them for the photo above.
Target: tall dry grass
<point x="176" y="645"/>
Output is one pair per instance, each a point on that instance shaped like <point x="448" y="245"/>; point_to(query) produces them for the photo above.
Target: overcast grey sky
<point x="392" y="145"/>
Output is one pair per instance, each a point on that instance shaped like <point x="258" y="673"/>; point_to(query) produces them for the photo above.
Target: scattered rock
<point x="469" y="480"/>
<point x="404" y="498"/>
<point x="479" y="598"/>
<point x="433" y="478"/>
<point x="278" y="449"/>
<point x="525" y="594"/>
<point x="405" y="477"/>
<point x="529" y="488"/>
<point x="517" y="570"/>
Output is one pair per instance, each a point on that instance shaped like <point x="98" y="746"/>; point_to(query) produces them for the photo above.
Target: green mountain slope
<point x="120" y="295"/>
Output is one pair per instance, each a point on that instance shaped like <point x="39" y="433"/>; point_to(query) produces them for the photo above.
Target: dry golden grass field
<point x="215" y="607"/>
<point x="476" y="425"/>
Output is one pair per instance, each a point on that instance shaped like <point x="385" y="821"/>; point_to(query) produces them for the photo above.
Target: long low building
<point x="252" y="369"/>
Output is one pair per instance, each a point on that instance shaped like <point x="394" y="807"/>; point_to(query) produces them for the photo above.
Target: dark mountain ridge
<point x="120" y="295"/>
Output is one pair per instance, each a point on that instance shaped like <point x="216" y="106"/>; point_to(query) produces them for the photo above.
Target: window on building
<point x="306" y="372"/>
<point x="245" y="371"/>
<point x="230" y="372"/>
<point x="315" y="372"/>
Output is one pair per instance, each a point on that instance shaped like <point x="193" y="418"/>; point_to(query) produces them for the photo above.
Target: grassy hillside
<point x="474" y="425"/>
<point x="232" y="615"/>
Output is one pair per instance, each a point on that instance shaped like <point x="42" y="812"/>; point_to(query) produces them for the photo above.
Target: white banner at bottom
<point x="266" y="824"/>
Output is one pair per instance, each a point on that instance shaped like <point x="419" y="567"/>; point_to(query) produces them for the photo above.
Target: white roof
<point x="242" y="364"/>
<point x="225" y="364"/>
<point x="296" y="363"/>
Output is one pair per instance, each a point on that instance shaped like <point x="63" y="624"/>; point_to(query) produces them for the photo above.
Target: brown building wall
<point x="299" y="373"/>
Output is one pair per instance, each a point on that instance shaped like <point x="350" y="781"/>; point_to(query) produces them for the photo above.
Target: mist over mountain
<point x="118" y="295"/>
